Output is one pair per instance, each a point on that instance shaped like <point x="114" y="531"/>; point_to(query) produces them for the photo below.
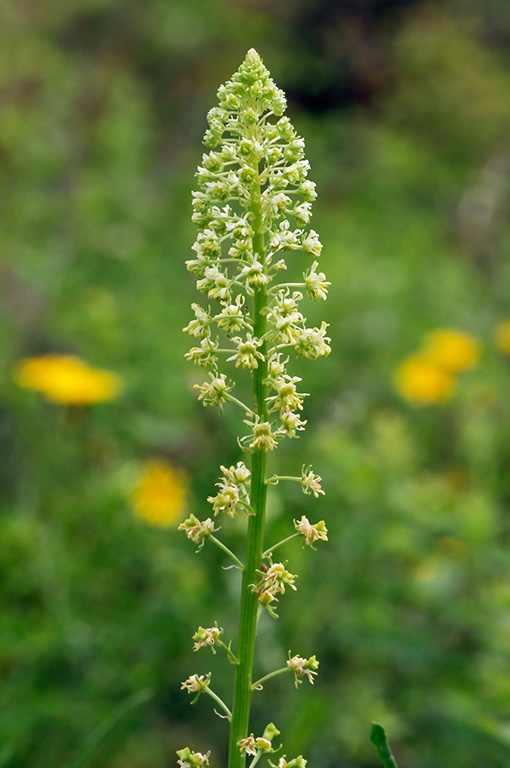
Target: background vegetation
<point x="405" y="107"/>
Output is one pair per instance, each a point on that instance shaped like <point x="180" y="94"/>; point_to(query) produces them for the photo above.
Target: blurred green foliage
<point x="405" y="108"/>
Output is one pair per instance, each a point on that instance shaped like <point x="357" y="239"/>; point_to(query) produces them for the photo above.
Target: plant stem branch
<point x="232" y="399"/>
<point x="276" y="479"/>
<point x="256" y="759"/>
<point x="270" y="675"/>
<point x="283" y="541"/>
<point x="231" y="656"/>
<point x="222" y="546"/>
<point x="219" y="702"/>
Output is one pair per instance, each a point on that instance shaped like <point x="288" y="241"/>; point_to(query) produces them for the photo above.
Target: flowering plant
<point x="252" y="207"/>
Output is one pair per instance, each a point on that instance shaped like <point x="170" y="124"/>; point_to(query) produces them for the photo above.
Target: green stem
<point x="231" y="656"/>
<point x="256" y="759"/>
<point x="232" y="399"/>
<point x="222" y="546"/>
<point x="276" y="479"/>
<point x="239" y="726"/>
<point x="269" y="676"/>
<point x="283" y="541"/>
<point x="219" y="701"/>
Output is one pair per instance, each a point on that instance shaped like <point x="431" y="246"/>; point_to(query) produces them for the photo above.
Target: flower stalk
<point x="253" y="202"/>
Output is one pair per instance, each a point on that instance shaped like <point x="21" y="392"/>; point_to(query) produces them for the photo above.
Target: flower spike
<point x="252" y="207"/>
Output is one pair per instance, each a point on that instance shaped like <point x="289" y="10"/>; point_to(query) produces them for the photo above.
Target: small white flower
<point x="291" y="423"/>
<point x="303" y="212"/>
<point x="206" y="637"/>
<point x="239" y="474"/>
<point x="189" y="759"/>
<point x="247" y="354"/>
<point x="214" y="392"/>
<point x="251" y="745"/>
<point x="197" y="266"/>
<point x="248" y="746"/>
<point x="276" y="367"/>
<point x="285" y="128"/>
<point x="285" y="239"/>
<point x="285" y="316"/>
<point x="311" y="482"/>
<point x="215" y="284"/>
<point x="286" y="304"/>
<point x="297" y="762"/>
<point x="263" y="439"/>
<point x="311" y="533"/>
<point x="313" y="342"/>
<point x="298" y="171"/>
<point x="275" y="203"/>
<point x="274" y="580"/>
<point x="307" y="189"/>
<point x="204" y="355"/>
<point x="195" y="683"/>
<point x="303" y="667"/>
<point x="226" y="499"/>
<point x="316" y="283"/>
<point x="199" y="328"/>
<point x="311" y="244"/>
<point x="254" y="275"/>
<point x="218" y="189"/>
<point x="231" y="318"/>
<point x="287" y="398"/>
<point x="287" y="332"/>
<point x="196" y="530"/>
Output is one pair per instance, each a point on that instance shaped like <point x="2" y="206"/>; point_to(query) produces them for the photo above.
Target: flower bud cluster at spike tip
<point x="254" y="154"/>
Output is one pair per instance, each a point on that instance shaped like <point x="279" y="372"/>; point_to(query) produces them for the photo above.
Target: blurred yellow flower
<point x="67" y="380"/>
<point x="159" y="497"/>
<point x="451" y="350"/>
<point x="502" y="337"/>
<point x="421" y="381"/>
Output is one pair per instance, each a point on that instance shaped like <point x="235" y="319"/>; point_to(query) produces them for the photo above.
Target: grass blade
<point x="101" y="733"/>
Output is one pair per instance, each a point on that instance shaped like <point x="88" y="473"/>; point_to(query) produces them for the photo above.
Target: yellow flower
<point x="451" y="350"/>
<point x="159" y="497"/>
<point x="67" y="380"/>
<point x="502" y="337"/>
<point x="421" y="381"/>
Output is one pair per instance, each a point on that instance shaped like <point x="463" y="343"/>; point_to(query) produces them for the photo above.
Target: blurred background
<point x="405" y="108"/>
